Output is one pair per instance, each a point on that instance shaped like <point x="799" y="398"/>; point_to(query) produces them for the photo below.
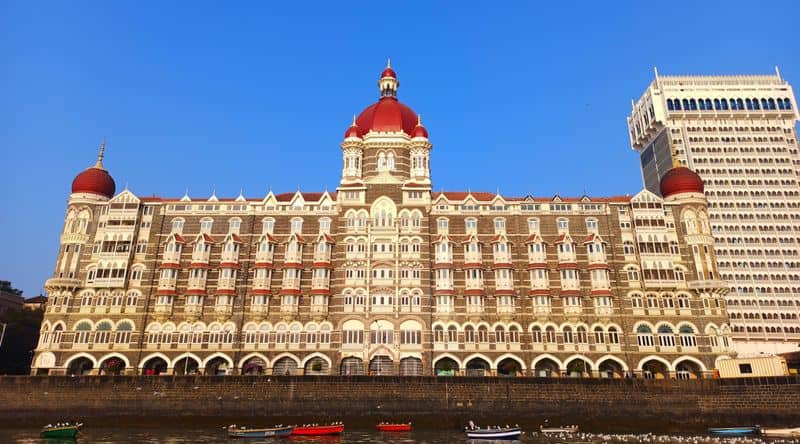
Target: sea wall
<point x="599" y="404"/>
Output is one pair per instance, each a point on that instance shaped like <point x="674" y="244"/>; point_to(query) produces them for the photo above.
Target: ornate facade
<point x="385" y="276"/>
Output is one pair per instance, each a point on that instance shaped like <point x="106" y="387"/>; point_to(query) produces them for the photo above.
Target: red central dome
<point x="95" y="181"/>
<point x="681" y="180"/>
<point x="388" y="114"/>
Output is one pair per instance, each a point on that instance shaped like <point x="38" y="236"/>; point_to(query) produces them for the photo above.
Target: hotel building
<point x="385" y="276"/>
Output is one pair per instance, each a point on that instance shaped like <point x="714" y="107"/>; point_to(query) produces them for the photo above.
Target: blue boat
<point x="244" y="432"/>
<point x="735" y="431"/>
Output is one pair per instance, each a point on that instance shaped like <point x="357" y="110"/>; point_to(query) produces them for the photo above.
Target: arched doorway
<point x="509" y="367"/>
<point x="546" y="368"/>
<point x="654" y="369"/>
<point x="446" y="367"/>
<point x="478" y="367"/>
<point x="186" y="366"/>
<point x="217" y="367"/>
<point x="317" y="366"/>
<point x="113" y="365"/>
<point x="284" y="366"/>
<point x="579" y="368"/>
<point x="154" y="366"/>
<point x="351" y="367"/>
<point x="687" y="369"/>
<point x="381" y="366"/>
<point x="611" y="369"/>
<point x="410" y="367"/>
<point x="80" y="367"/>
<point x="254" y="366"/>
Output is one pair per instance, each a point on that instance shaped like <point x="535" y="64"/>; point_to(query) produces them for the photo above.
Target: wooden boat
<point x="318" y="430"/>
<point x="493" y="433"/>
<point x="735" y="431"/>
<point x="61" y="431"/>
<point x="782" y="433"/>
<point x="562" y="429"/>
<point x="244" y="432"/>
<point x="393" y="427"/>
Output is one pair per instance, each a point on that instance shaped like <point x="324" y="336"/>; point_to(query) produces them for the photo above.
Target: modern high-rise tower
<point x="738" y="133"/>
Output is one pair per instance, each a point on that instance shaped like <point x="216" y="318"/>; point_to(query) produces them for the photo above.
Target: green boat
<point x="61" y="431"/>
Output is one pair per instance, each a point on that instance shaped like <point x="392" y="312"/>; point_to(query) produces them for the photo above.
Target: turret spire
<point x="388" y="82"/>
<point x="101" y="154"/>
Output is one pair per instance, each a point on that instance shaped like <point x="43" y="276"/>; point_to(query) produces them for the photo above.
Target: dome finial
<point x="388" y="82"/>
<point x="101" y="154"/>
<point x="419" y="119"/>
<point x="388" y="62"/>
<point x="354" y="120"/>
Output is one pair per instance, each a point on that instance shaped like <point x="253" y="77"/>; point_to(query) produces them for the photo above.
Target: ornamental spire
<point x="388" y="82"/>
<point x="101" y="154"/>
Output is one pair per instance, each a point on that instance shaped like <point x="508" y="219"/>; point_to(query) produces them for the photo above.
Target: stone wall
<point x="598" y="404"/>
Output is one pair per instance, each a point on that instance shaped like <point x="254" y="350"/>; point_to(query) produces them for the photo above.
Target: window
<point x="563" y="224"/>
<point x="533" y="226"/>
<point x="324" y="225"/>
<point x="499" y="225"/>
<point x="234" y="225"/>
<point x="591" y="225"/>
<point x="206" y="224"/>
<point x="177" y="225"/>
<point x="471" y="225"/>
<point x="441" y="224"/>
<point x="268" y="226"/>
<point x="297" y="225"/>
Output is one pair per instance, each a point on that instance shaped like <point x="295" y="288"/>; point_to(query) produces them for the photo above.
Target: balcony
<point x="538" y="257"/>
<point x="262" y="283"/>
<point x="502" y="257"/>
<point x="505" y="310"/>
<point x="289" y="309"/>
<point x="381" y="308"/>
<point x="504" y="284"/>
<point x="596" y="258"/>
<point x="62" y="283"/>
<point x="382" y="255"/>
<point x="409" y="255"/>
<point x="167" y="283"/>
<point x="196" y="283"/>
<point x="570" y="285"/>
<point x="540" y="284"/>
<point x="475" y="308"/>
<point x="410" y="282"/>
<point x="541" y="310"/>
<point x="567" y="257"/>
<point x="601" y="285"/>
<point x="473" y="284"/>
<point x="472" y="257"/>
<point x="226" y="283"/>
<point x="264" y="257"/>
<point x="193" y="310"/>
<point x="445" y="309"/>
<point x="382" y="281"/>
<point x="107" y="282"/>
<point x="444" y="284"/>
<point x="230" y="257"/>
<point x="291" y="283"/>
<point x="443" y="258"/>
<point x="171" y="257"/>
<point x="223" y="309"/>
<point x="200" y="257"/>
<point x="293" y="257"/>
<point x="357" y="282"/>
<point x="322" y="256"/>
<point x="162" y="309"/>
<point x="603" y="311"/>
<point x="319" y="309"/>
<point x="573" y="310"/>
<point x="259" y="309"/>
<point x="354" y="308"/>
<point x="320" y="283"/>
<point x="355" y="255"/>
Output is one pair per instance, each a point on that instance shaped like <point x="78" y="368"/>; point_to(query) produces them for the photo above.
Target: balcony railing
<point x="223" y="309"/>
<point x="293" y="257"/>
<point x="355" y="255"/>
<point x="264" y="256"/>
<point x="200" y="257"/>
<point x="541" y="310"/>
<point x="171" y="257"/>
<point x="291" y="283"/>
<point x="597" y="258"/>
<point x="504" y="284"/>
<point x="604" y="311"/>
<point x="444" y="258"/>
<point x="573" y="310"/>
<point x="442" y="284"/>
<point x="319" y="308"/>
<point x="167" y="283"/>
<point x="262" y="283"/>
<point x="473" y="258"/>
<point x="230" y="256"/>
<point x="570" y="284"/>
<point x="537" y="257"/>
<point x="193" y="309"/>
<point x="567" y="257"/>
<point x="196" y="284"/>
<point x="324" y="256"/>
<point x="502" y="258"/>
<point x="473" y="284"/>
<point x="505" y="309"/>
<point x="320" y="283"/>
<point x="226" y="283"/>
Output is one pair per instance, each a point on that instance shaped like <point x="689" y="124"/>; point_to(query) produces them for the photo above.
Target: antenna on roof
<point x="778" y="72"/>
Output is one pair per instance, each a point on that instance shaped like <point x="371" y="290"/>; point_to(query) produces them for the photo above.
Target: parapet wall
<point x="596" y="404"/>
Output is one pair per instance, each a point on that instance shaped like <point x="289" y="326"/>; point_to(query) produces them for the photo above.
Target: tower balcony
<point x="567" y="257"/>
<point x="596" y="258"/>
<point x="226" y="283"/>
<point x="262" y="282"/>
<point x="472" y="257"/>
<point x="264" y="257"/>
<point x="504" y="285"/>
<point x="320" y="283"/>
<point x="230" y="257"/>
<point x="199" y="257"/>
<point x="473" y="284"/>
<point x="322" y="257"/>
<point x="443" y="258"/>
<point x="537" y="257"/>
<point x="503" y="257"/>
<point x="167" y="283"/>
<point x="196" y="283"/>
<point x="293" y="257"/>
<point x="444" y="284"/>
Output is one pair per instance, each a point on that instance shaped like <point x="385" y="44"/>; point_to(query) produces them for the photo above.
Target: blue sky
<point x="527" y="97"/>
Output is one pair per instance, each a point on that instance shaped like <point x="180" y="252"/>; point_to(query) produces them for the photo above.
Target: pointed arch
<point x="592" y="364"/>
<point x="666" y="363"/>
<point x="513" y="357"/>
<point x="316" y="355"/>
<point x="78" y="356"/>
<point x="145" y="359"/>
<point x="252" y="355"/>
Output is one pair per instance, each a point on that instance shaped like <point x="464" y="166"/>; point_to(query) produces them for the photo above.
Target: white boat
<point x="781" y="433"/>
<point x="562" y="429"/>
<point x="492" y="433"/>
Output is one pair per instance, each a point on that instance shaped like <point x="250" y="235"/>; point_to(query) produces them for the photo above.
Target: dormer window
<point x="206" y="224"/>
<point x="563" y="224"/>
<point x="591" y="225"/>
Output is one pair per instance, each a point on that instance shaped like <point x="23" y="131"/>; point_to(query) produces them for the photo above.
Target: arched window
<point x="644" y="336"/>
<point x="390" y="161"/>
<point x="82" y="331"/>
<point x="670" y="106"/>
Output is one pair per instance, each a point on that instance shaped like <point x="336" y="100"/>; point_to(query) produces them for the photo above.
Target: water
<point x="194" y="435"/>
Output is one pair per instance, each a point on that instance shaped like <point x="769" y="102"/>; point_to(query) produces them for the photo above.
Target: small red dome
<point x="94" y="180"/>
<point x="681" y="180"/>
<point x="420" y="131"/>
<point x="388" y="72"/>
<point x="352" y="131"/>
<point x="388" y="114"/>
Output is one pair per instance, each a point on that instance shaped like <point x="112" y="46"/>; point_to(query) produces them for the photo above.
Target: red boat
<point x="386" y="427"/>
<point x="318" y="430"/>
